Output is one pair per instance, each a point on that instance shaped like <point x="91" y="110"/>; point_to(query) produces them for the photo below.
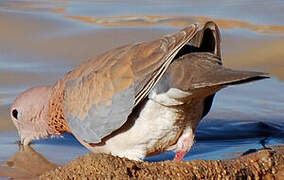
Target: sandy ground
<point x="265" y="164"/>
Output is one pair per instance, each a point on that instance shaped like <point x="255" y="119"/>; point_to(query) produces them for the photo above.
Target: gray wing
<point x="101" y="93"/>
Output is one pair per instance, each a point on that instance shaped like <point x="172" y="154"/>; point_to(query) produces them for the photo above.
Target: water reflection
<point x="42" y="155"/>
<point x="179" y="21"/>
<point x="26" y="163"/>
<point x="251" y="10"/>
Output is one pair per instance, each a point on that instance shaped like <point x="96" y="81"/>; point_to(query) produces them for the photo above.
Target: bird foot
<point x="184" y="144"/>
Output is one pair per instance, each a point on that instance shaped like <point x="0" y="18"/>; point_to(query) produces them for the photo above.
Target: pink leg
<point x="184" y="144"/>
<point x="179" y="155"/>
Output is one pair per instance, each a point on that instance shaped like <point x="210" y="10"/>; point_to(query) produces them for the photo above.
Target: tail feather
<point x="203" y="70"/>
<point x="225" y="77"/>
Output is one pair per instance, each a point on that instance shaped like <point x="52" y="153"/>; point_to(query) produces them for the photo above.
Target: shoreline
<point x="267" y="164"/>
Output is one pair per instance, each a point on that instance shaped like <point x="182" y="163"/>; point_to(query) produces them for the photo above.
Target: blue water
<point x="246" y="10"/>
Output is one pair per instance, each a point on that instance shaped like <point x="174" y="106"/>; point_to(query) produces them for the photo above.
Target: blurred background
<point x="41" y="40"/>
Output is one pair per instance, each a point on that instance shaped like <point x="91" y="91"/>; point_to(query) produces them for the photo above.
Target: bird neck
<point x="55" y="115"/>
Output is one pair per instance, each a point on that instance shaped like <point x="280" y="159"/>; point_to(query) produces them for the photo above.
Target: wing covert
<point x="101" y="93"/>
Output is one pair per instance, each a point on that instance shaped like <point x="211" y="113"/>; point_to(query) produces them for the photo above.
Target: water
<point x="42" y="40"/>
<point x="238" y="123"/>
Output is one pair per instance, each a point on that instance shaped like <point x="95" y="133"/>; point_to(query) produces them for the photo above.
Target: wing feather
<point x="101" y="93"/>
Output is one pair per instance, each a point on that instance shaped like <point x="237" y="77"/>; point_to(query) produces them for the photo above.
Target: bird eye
<point x="15" y="113"/>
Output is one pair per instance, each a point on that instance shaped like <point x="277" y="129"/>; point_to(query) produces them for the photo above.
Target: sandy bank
<point x="267" y="164"/>
<point x="181" y="21"/>
<point x="266" y="56"/>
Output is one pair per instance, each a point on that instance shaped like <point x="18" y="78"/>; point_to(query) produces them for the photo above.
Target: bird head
<point x="28" y="114"/>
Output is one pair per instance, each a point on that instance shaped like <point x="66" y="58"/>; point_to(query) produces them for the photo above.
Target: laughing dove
<point x="137" y="100"/>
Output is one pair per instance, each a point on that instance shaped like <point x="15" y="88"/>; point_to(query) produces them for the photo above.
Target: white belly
<point x="156" y="128"/>
<point x="159" y="125"/>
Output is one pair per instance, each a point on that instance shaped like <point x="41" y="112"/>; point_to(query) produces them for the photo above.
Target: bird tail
<point x="208" y="43"/>
<point x="203" y="70"/>
<point x="227" y="77"/>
